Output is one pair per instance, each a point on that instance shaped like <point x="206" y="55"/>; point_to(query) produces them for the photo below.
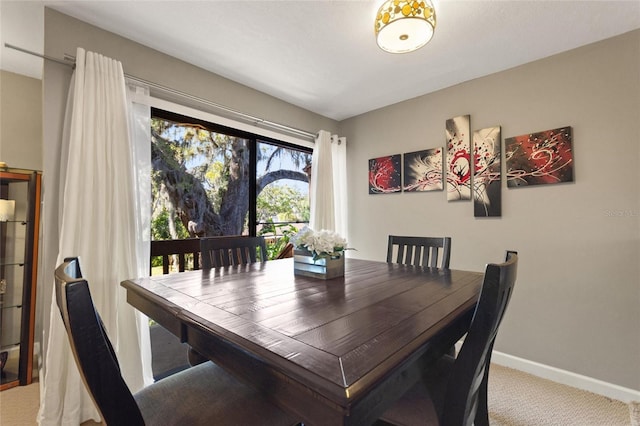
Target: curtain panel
<point x="329" y="184"/>
<point x="101" y="219"/>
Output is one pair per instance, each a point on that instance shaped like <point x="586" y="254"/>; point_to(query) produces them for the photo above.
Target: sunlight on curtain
<point x="329" y="184"/>
<point x="98" y="221"/>
<point x="321" y="191"/>
<point x="138" y="101"/>
<point x="339" y="157"/>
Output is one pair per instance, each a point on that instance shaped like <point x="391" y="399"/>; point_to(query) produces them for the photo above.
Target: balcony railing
<point x="184" y="255"/>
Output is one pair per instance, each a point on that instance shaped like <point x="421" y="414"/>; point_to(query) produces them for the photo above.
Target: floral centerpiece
<point x="322" y="244"/>
<point x="318" y="254"/>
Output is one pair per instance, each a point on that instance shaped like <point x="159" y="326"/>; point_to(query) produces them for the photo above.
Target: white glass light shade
<point x="7" y="208"/>
<point x="403" y="25"/>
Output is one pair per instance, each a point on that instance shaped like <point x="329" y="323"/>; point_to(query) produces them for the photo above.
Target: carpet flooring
<point x="515" y="398"/>
<point x="521" y="399"/>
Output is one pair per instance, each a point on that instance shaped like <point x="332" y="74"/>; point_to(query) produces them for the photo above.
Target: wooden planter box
<point x="325" y="269"/>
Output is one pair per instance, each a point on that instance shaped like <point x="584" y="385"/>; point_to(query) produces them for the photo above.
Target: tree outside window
<point x="210" y="180"/>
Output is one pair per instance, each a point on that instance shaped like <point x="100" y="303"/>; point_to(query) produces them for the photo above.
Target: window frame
<point x="252" y="138"/>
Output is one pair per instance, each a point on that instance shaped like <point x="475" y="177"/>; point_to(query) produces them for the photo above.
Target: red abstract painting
<point x="458" y="158"/>
<point x="384" y="175"/>
<point x="487" y="198"/>
<point x="540" y="158"/>
<point x="423" y="170"/>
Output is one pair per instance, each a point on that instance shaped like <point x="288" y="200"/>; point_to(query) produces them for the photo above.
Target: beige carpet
<point x="19" y="405"/>
<point x="515" y="399"/>
<point x="520" y="399"/>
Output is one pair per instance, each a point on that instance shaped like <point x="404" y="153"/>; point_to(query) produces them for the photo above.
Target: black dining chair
<point x="419" y="251"/>
<point x="201" y="395"/>
<point x="185" y="252"/>
<point x="453" y="391"/>
<point x="229" y="251"/>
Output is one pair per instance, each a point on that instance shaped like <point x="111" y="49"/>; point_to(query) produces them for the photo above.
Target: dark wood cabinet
<point x="19" y="233"/>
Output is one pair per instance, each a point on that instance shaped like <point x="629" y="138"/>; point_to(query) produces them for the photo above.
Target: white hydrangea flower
<point x="321" y="243"/>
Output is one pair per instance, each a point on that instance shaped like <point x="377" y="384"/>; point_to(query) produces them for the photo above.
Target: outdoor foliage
<point x="200" y="183"/>
<point x="276" y="237"/>
<point x="285" y="203"/>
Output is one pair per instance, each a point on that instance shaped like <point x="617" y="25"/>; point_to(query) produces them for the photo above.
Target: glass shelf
<point x="11" y="306"/>
<point x="12" y="262"/>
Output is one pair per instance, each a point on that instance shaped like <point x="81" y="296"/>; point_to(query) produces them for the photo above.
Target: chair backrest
<point x="92" y="349"/>
<point x="470" y="370"/>
<point x="228" y="251"/>
<point x="419" y="251"/>
<point x="178" y="249"/>
<point x="286" y="252"/>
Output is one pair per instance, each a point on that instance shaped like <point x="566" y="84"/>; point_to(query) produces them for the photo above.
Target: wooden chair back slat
<point x="419" y="251"/>
<point x="180" y="248"/>
<point x="286" y="252"/>
<point x="228" y="251"/>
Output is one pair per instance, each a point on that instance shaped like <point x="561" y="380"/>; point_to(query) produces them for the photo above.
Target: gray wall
<point x="64" y="34"/>
<point x="576" y="302"/>
<point x="20" y="121"/>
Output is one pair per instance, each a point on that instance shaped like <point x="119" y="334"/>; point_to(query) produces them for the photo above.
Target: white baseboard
<point x="565" y="377"/>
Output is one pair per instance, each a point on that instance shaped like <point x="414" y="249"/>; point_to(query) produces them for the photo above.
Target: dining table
<point x="330" y="352"/>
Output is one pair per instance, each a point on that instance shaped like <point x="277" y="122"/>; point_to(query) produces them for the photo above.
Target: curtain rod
<point x="71" y="62"/>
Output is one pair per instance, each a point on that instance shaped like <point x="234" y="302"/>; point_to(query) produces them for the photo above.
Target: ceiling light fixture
<point x="404" y="25"/>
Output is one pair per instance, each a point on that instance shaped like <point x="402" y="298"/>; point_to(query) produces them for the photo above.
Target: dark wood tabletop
<point x="332" y="352"/>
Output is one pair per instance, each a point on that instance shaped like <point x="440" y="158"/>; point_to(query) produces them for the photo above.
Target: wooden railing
<point x="187" y="254"/>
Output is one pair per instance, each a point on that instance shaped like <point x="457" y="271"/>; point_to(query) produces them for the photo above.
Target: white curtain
<point x="339" y="157"/>
<point x="329" y="184"/>
<point x="102" y="218"/>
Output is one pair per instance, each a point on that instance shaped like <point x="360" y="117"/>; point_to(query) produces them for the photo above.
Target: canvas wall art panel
<point x="540" y="158"/>
<point x="385" y="174"/>
<point x="423" y="170"/>
<point x="458" y="164"/>
<point x="487" y="178"/>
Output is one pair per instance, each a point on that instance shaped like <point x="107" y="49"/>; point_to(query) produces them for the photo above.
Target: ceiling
<point x="322" y="55"/>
